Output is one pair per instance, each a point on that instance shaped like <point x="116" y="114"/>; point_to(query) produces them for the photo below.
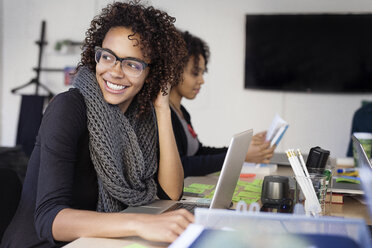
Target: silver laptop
<point x="365" y="172"/>
<point x="225" y="187"/>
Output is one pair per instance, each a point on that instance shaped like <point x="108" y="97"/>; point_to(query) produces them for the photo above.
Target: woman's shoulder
<point x="71" y="99"/>
<point x="65" y="111"/>
<point x="72" y="96"/>
<point x="67" y="105"/>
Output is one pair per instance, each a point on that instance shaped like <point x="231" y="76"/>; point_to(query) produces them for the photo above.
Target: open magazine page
<point x="198" y="236"/>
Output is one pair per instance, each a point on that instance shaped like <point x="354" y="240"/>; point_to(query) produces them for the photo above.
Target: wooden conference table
<point x="351" y="208"/>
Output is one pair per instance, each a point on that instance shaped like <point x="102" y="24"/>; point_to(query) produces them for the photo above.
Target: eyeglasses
<point x="131" y="67"/>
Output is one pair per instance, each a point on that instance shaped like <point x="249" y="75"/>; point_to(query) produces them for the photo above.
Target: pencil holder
<point x="328" y="172"/>
<point x="314" y="186"/>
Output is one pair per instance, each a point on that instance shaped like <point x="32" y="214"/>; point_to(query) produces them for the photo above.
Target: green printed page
<point x="235" y="199"/>
<point x="257" y="182"/>
<point x="248" y="192"/>
<point x="193" y="190"/>
<point x="243" y="183"/>
<point x="247" y="197"/>
<point x="244" y="191"/>
<point x="197" y="188"/>
<point x="210" y="195"/>
<point x="201" y="186"/>
<point x="253" y="188"/>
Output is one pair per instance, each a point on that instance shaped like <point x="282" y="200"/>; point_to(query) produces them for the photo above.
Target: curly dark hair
<point x="195" y="47"/>
<point x="160" y="42"/>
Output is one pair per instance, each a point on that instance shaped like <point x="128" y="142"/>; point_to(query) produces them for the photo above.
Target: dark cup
<point x="275" y="194"/>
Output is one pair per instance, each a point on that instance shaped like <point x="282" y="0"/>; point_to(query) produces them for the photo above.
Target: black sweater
<point x="206" y="160"/>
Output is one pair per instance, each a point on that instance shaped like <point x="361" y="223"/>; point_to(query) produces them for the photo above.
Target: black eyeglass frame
<point x="144" y="64"/>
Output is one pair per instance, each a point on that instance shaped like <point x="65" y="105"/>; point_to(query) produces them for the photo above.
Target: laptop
<point x="225" y="187"/>
<point x="365" y="172"/>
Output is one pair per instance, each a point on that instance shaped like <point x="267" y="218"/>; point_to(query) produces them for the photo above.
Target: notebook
<point x="365" y="172"/>
<point x="226" y="184"/>
<point x="346" y="188"/>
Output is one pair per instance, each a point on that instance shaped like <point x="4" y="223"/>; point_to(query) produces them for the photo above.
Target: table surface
<point x="352" y="208"/>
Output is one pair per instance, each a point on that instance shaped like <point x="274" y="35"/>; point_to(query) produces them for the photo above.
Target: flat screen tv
<point x="330" y="53"/>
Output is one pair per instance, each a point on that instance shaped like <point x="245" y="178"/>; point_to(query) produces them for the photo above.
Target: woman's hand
<point x="162" y="101"/>
<point x="259" y="150"/>
<point x="164" y="227"/>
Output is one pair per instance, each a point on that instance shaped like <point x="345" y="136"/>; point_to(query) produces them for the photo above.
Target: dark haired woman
<point x="108" y="143"/>
<point x="199" y="160"/>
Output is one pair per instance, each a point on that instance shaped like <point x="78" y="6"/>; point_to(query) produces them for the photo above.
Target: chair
<point x="10" y="193"/>
<point x="362" y="122"/>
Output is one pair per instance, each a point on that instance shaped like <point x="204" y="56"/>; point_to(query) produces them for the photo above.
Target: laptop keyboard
<point x="188" y="206"/>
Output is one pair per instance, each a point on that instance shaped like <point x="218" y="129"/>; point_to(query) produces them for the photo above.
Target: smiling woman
<point x="108" y="143"/>
<point x="120" y="79"/>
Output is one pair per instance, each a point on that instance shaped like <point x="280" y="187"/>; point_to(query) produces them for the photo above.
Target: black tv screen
<point x="329" y="53"/>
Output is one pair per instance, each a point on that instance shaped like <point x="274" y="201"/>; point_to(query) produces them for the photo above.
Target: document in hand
<point x="276" y="131"/>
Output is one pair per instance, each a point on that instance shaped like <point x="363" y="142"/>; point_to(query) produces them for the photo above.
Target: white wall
<point x="223" y="107"/>
<point x="22" y="27"/>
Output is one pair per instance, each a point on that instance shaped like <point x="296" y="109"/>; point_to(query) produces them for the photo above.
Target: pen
<point x="347" y="170"/>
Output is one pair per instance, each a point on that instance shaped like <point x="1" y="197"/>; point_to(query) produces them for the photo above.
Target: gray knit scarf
<point x="123" y="148"/>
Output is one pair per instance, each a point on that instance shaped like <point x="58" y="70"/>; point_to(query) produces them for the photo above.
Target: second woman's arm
<point x="170" y="173"/>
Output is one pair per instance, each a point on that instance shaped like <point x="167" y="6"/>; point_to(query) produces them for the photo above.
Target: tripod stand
<point x="36" y="80"/>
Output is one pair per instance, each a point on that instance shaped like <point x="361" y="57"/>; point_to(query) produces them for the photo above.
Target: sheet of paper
<point x="276" y="130"/>
<point x="201" y="186"/>
<point x="193" y="190"/>
<point x="245" y="191"/>
<point x="198" y="188"/>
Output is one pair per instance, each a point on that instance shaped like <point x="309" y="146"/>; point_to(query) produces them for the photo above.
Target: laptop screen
<point x="365" y="172"/>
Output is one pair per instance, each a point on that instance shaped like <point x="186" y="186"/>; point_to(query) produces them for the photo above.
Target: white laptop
<point x="226" y="184"/>
<point x="365" y="172"/>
